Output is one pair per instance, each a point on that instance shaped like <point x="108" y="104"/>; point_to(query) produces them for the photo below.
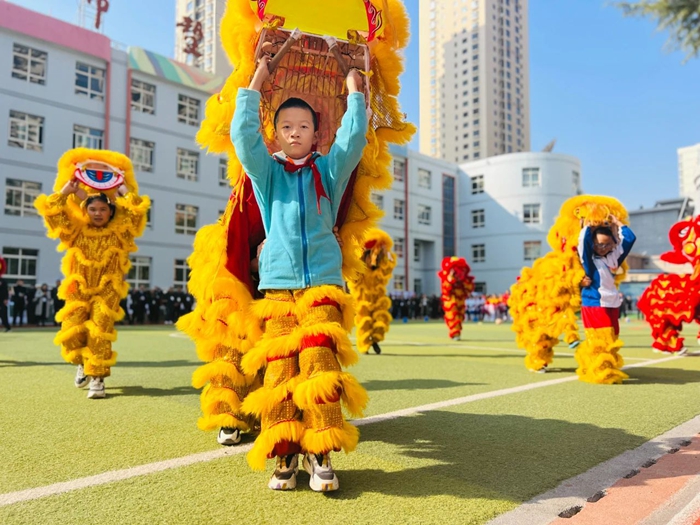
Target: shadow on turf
<point x="661" y="376"/>
<point x="7" y="363"/>
<point x="141" y="391"/>
<point x="471" y="456"/>
<point x="156" y="364"/>
<point x="412" y="384"/>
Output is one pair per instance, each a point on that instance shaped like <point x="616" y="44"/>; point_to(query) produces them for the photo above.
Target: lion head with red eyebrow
<point x="685" y="239"/>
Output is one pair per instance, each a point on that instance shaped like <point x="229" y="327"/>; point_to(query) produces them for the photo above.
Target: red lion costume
<point x="673" y="299"/>
<point x="456" y="285"/>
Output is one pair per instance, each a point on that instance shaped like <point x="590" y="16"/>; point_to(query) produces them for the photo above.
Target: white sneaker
<point x="228" y="436"/>
<point x="321" y="475"/>
<point x="456" y="337"/>
<point x="81" y="380"/>
<point x="285" y="475"/>
<point x="542" y="370"/>
<point x="97" y="388"/>
<point x="682" y="351"/>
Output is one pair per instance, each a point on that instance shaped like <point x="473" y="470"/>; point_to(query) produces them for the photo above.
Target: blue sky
<point x="603" y="85"/>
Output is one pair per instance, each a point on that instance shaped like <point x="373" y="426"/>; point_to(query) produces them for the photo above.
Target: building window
<point x="84" y="137"/>
<point x="143" y="97"/>
<point x="478" y="218"/>
<point x="186" y="219"/>
<point x="223" y="171"/>
<point x="187" y="164"/>
<point x="399" y="283"/>
<point x="418" y="286"/>
<point x="477" y="184"/>
<point x="531" y="214"/>
<point x="478" y="253"/>
<point x="532" y="250"/>
<point x="378" y="200"/>
<point x="424" y="214"/>
<point x="398" y="209"/>
<point x="26" y="131"/>
<point x="89" y="81"/>
<point x="19" y="197"/>
<point x="531" y="177"/>
<point x="182" y="274"/>
<point x="398" y="247"/>
<point x="21" y="264"/>
<point x="399" y="170"/>
<point x="423" y="178"/>
<point x="149" y="215"/>
<point x="416" y="251"/>
<point x="141" y="153"/>
<point x="188" y="110"/>
<point x="29" y="64"/>
<point x="480" y="288"/>
<point x="576" y="178"/>
<point x="140" y="272"/>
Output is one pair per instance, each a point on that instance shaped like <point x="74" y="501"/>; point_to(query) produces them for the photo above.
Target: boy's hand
<point x="586" y="282"/>
<point x="262" y="73"/>
<point x="615" y="220"/>
<point x="70" y="187"/>
<point x="353" y="81"/>
<point x="122" y="190"/>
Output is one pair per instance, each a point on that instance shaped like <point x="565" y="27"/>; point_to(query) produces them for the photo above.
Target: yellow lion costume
<point x="546" y="298"/>
<point x="373" y="306"/>
<point x="225" y="325"/>
<point x="95" y="263"/>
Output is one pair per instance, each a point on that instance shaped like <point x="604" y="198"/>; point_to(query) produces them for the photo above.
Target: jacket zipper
<point x="304" y="240"/>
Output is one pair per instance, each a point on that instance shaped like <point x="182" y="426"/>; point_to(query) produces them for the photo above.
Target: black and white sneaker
<point x="81" y="380"/>
<point x="228" y="436"/>
<point x="321" y="475"/>
<point x="97" y="388"/>
<point x="285" y="475"/>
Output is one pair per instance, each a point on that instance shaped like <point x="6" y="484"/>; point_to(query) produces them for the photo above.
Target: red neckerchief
<point x="309" y="162"/>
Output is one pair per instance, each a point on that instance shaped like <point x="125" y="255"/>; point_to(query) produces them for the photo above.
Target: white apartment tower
<point x="209" y="13"/>
<point x="474" y="78"/>
<point x="688" y="170"/>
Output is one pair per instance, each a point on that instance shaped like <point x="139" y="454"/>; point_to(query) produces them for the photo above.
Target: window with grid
<point x="418" y="286"/>
<point x="26" y="131"/>
<point x="140" y="272"/>
<point x="531" y="177"/>
<point x="186" y="219"/>
<point x="21" y="264"/>
<point x="29" y="64"/>
<point x="223" y="171"/>
<point x="84" y="137"/>
<point x="531" y="214"/>
<point x="399" y="209"/>
<point x="141" y="153"/>
<point x="182" y="273"/>
<point x="424" y="213"/>
<point x="399" y="283"/>
<point x="378" y="200"/>
<point x="89" y="81"/>
<point x="424" y="178"/>
<point x="143" y="97"/>
<point x="532" y="250"/>
<point x="149" y="215"/>
<point x="187" y="164"/>
<point x="478" y="218"/>
<point x="477" y="184"/>
<point x="398" y="247"/>
<point x="399" y="170"/>
<point x="188" y="110"/>
<point x="19" y="197"/>
<point x="416" y="251"/>
<point x="478" y="253"/>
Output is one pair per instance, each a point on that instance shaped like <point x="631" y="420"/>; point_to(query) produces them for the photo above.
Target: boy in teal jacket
<point x="306" y="313"/>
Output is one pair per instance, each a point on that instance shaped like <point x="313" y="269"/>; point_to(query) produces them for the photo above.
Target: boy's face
<point x="295" y="132"/>
<point x="603" y="244"/>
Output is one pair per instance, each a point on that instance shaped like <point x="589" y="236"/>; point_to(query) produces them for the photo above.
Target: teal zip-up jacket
<point x="301" y="250"/>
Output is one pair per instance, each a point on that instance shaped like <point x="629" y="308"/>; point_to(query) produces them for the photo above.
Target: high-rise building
<point x="208" y="13"/>
<point x="474" y="78"/>
<point x="688" y="170"/>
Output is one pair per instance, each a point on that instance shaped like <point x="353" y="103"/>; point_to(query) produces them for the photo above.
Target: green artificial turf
<point x="464" y="464"/>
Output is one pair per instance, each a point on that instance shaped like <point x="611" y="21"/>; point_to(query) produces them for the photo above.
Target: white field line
<point x="10" y="498"/>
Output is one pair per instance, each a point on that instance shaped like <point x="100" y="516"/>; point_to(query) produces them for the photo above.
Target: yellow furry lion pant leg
<point x="98" y="356"/>
<point x="598" y="357"/>
<point x="73" y="334"/>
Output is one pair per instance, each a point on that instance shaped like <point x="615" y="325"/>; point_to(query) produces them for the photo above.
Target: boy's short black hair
<point x="294" y="102"/>
<point x="102" y="198"/>
<point x="604" y="230"/>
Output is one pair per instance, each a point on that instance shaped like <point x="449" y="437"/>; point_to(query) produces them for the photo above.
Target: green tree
<point x="680" y="17"/>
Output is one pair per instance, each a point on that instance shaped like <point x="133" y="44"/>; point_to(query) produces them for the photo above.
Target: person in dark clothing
<point x="4" y="297"/>
<point x="156" y="298"/>
<point x="31" y="305"/>
<point x="57" y="303"/>
<point x="42" y="305"/>
<point x="19" y="300"/>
